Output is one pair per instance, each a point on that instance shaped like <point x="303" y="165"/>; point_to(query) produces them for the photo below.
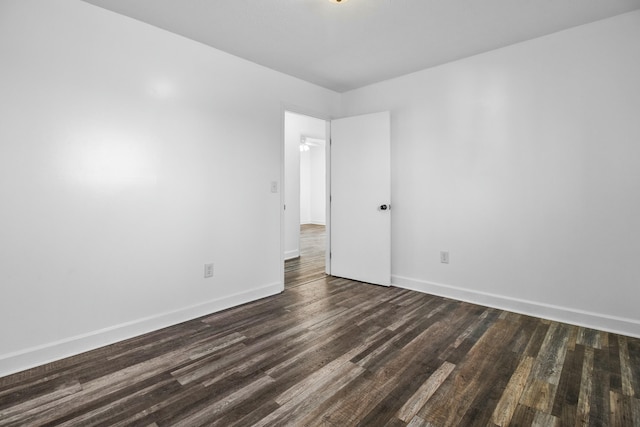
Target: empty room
<point x="470" y="256"/>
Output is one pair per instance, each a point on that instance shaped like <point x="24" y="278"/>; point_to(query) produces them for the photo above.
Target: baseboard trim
<point x="291" y="254"/>
<point x="604" y="322"/>
<point x="35" y="356"/>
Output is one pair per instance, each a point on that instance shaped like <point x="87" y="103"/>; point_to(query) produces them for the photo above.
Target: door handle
<point x="384" y="207"/>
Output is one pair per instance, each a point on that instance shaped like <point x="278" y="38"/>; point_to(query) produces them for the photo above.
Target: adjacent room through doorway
<point x="304" y="198"/>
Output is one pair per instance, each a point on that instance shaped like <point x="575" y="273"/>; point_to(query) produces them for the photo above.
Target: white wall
<point x="295" y="127"/>
<point x="291" y="185"/>
<point x="129" y="157"/>
<point x="317" y="185"/>
<point x="305" y="187"/>
<point x="524" y="163"/>
<point x="313" y="208"/>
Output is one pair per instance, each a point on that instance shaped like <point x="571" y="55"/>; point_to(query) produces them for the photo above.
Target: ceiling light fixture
<point x="338" y="1"/>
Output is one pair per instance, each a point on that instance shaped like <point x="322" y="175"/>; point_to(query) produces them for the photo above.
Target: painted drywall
<point x="313" y="185"/>
<point x="296" y="126"/>
<point x="317" y="185"/>
<point x="129" y="158"/>
<point x="305" y="187"/>
<point x="523" y="163"/>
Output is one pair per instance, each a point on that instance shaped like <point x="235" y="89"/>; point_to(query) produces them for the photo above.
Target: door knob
<point x="384" y="207"/>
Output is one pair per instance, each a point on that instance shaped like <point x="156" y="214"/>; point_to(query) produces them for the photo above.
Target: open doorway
<point x="304" y="198"/>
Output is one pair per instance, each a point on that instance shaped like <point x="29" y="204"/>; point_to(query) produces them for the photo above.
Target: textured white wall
<point x="129" y="157"/>
<point x="524" y="163"/>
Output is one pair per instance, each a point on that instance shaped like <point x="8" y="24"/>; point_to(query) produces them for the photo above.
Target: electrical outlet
<point x="208" y="270"/>
<point x="274" y="186"/>
<point x="444" y="257"/>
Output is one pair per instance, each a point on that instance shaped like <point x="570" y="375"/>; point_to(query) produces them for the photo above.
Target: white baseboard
<point x="604" y="322"/>
<point x="292" y="254"/>
<point x="35" y="356"/>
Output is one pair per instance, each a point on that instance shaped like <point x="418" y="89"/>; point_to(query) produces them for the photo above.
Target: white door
<point x="360" y="198"/>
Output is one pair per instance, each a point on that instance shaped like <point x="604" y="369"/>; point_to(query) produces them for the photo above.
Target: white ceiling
<point x="353" y="44"/>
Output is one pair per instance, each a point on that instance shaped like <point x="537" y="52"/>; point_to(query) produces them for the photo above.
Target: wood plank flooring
<point x="332" y="352"/>
<point x="311" y="263"/>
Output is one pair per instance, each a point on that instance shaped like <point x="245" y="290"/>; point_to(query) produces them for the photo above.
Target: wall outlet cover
<point x="208" y="270"/>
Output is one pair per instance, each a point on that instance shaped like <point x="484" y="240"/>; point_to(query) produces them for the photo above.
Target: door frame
<point x="296" y="109"/>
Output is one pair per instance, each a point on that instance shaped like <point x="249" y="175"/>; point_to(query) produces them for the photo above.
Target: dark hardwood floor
<point x="332" y="352"/>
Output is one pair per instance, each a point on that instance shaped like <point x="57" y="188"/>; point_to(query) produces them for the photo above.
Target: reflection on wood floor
<point x="311" y="263"/>
<point x="332" y="352"/>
